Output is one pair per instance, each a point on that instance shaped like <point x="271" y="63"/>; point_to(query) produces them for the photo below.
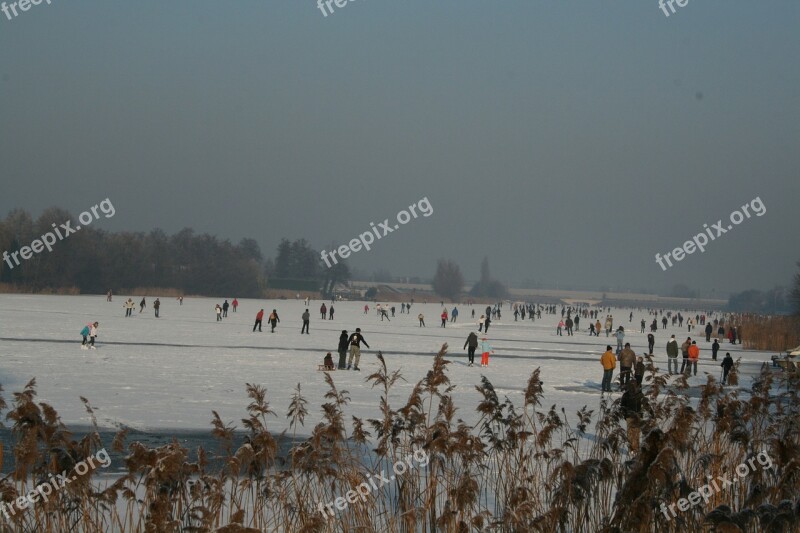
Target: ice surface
<point x="169" y="373"/>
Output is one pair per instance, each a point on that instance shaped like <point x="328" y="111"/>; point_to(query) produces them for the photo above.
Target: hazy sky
<point x="569" y="141"/>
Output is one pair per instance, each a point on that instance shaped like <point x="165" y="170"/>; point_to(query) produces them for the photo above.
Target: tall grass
<point x="774" y="333"/>
<point x="520" y="468"/>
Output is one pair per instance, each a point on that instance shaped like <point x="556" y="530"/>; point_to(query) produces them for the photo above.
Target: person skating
<point x="85" y="334"/>
<point x="225" y="306"/>
<point x="638" y="370"/>
<point x="644" y="325"/>
<point x="454" y="314"/>
<point x="323" y="311"/>
<point x="142" y="305"/>
<point x="108" y="296"/>
<point x="664" y="323"/>
<point x="218" y="311"/>
<point x="481" y="321"/>
<point x="568" y="326"/>
<point x="421" y="319"/>
<point x="180" y="300"/>
<point x="355" y="341"/>
<point x="471" y="344"/>
<point x="273" y="320"/>
<point x="597" y="327"/>
<point x="694" y="356"/>
<point x="714" y="350"/>
<point x="234" y="304"/>
<point x="259" y="318"/>
<point x="559" y="327"/>
<point x="393" y="308"/>
<point x="651" y="342"/>
<point x="306" y="319"/>
<point x="129" y="305"/>
<point x="608" y="325"/>
<point x="627" y="358"/>
<point x="685" y="353"/>
<point x="366" y="309"/>
<point x="591" y="329"/>
<point x="384" y="314"/>
<point x="516" y="315"/>
<point x="486" y="349"/>
<point x="330" y="312"/>
<point x="631" y="407"/>
<point x="609" y="363"/>
<point x="342" y="349"/>
<point x="444" y="318"/>
<point x="156" y="306"/>
<point x="620" y="335"/>
<point x="486" y="324"/>
<point x="93" y="335"/>
<point x="726" y="365"/>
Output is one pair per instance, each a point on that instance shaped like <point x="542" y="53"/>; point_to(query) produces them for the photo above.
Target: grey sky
<point x="568" y="141"/>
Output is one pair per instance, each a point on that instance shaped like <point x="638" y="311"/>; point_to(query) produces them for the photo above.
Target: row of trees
<point x="448" y="282"/>
<point x="776" y="301"/>
<point x="298" y="266"/>
<point x="94" y="261"/>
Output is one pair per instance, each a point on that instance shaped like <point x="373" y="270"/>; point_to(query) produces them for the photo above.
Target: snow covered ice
<point x="170" y="373"/>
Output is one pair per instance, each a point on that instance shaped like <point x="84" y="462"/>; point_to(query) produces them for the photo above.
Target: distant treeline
<point x="94" y="261"/>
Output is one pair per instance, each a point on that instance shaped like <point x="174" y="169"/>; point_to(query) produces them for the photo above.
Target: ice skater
<point x="89" y="330"/>
<point x="259" y="318"/>
<point x="486" y="349"/>
<point x="85" y="334"/>
<point x="355" y="341"/>
<point x="472" y="345"/>
<point x="273" y="320"/>
<point x="342" y="349"/>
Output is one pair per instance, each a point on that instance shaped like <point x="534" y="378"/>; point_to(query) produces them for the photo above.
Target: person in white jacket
<point x="92" y="335"/>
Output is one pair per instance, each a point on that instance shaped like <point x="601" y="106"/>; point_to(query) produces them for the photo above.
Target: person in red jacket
<point x="444" y="318"/>
<point x="259" y="318"/>
<point x="694" y="356"/>
<point x="235" y="304"/>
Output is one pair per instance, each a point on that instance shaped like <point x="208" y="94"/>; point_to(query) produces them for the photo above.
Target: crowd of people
<point x="631" y="366"/>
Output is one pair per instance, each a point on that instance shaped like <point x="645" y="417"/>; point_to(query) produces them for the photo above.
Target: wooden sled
<point x="326" y="368"/>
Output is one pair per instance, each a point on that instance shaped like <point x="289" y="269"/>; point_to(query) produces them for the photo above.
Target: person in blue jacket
<point x="85" y="333"/>
<point x="486" y="349"/>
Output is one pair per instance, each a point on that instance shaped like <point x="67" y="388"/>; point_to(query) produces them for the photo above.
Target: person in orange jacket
<point x="444" y="318"/>
<point x="694" y="356"/>
<point x="609" y="362"/>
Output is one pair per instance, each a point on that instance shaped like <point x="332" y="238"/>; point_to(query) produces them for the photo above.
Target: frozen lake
<point x="169" y="373"/>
